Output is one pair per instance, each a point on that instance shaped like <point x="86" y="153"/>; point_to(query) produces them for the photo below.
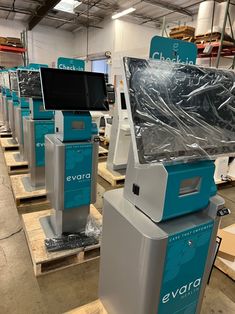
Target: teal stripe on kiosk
<point x="41" y="128"/>
<point x="184" y="268"/>
<point x="78" y="174"/>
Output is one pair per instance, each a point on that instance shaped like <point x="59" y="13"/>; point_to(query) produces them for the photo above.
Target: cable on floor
<point x="11" y="235"/>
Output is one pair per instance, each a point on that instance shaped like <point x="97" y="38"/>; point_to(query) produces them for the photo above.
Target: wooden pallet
<point x="13" y="166"/>
<point x="95" y="307"/>
<point x="226" y="266"/>
<point x="214" y="37"/>
<point x="182" y="32"/>
<point x="104" y="140"/>
<point x="224" y="182"/>
<point x="8" y="145"/>
<point x="21" y="195"/>
<point x="115" y="178"/>
<point x="45" y="262"/>
<point x="184" y="28"/>
<point x="5" y="134"/>
<point x="183" y="37"/>
<point x="102" y="131"/>
<point x="103" y="152"/>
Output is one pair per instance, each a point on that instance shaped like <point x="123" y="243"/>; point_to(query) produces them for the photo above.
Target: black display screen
<point x="123" y="101"/>
<point x="73" y="90"/>
<point x="29" y="84"/>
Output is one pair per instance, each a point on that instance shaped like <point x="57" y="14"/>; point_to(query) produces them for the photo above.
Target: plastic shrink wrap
<point x="180" y="112"/>
<point x="29" y="83"/>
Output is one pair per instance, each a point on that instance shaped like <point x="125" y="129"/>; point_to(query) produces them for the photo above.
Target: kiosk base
<point x="168" y="263"/>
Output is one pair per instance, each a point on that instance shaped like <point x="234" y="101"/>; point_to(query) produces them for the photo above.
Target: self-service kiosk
<point x="159" y="232"/>
<point x="72" y="152"/>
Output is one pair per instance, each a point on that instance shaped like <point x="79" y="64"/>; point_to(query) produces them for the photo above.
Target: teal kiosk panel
<point x="168" y="211"/>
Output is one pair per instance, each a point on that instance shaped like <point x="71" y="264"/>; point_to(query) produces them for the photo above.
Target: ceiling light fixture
<point x="67" y="6"/>
<point x="122" y="13"/>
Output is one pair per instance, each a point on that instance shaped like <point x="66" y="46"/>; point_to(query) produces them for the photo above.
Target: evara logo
<point x="40" y="144"/>
<point x="182" y="290"/>
<point x="78" y="177"/>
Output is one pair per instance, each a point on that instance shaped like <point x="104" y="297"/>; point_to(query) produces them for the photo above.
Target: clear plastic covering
<point x="180" y="112"/>
<point x="29" y="83"/>
<point x="90" y="237"/>
<point x="13" y="80"/>
<point x="5" y="79"/>
<point x="93" y="227"/>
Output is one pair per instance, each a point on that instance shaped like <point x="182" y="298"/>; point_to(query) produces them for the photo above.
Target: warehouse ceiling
<point x="90" y="13"/>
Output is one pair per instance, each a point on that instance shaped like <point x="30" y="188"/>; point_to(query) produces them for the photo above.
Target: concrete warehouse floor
<point x="21" y="292"/>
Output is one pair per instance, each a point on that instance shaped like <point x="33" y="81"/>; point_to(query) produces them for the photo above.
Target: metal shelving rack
<point x="220" y="48"/>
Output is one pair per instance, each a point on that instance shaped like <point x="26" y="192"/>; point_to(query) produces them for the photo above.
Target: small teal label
<point x="174" y="50"/>
<point x="78" y="173"/>
<point x="70" y="64"/>
<point x="41" y="128"/>
<point x="33" y="66"/>
<point x="184" y="269"/>
<point x="36" y="66"/>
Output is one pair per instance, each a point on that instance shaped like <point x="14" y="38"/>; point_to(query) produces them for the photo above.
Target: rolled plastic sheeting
<point x="205" y="15"/>
<point x="204" y="18"/>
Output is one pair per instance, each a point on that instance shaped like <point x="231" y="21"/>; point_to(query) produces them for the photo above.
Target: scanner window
<point x="78" y="125"/>
<point x="190" y="186"/>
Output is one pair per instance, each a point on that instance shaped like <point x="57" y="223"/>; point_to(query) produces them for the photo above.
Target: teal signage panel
<point x="78" y="173"/>
<point x="36" y="66"/>
<point x="174" y="50"/>
<point x="184" y="269"/>
<point x="41" y="128"/>
<point x="33" y="66"/>
<point x="70" y="64"/>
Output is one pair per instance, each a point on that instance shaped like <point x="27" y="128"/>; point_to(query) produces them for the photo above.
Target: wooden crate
<point x="103" y="152"/>
<point x="95" y="307"/>
<point x="45" y="262"/>
<point x="21" y="195"/>
<point x="226" y="266"/>
<point x="115" y="178"/>
<point x="13" y="166"/>
<point x="5" y="134"/>
<point x="7" y="144"/>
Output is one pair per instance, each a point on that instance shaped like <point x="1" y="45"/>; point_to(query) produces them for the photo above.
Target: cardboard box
<point x="227" y="246"/>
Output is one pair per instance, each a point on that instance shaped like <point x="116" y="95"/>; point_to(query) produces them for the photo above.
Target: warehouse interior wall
<point x="131" y="40"/>
<point x="99" y="39"/>
<point x="121" y="38"/>
<point x="45" y="44"/>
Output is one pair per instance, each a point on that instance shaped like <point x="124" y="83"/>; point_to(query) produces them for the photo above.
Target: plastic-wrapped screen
<point x="29" y="84"/>
<point x="180" y="112"/>
<point x="13" y="81"/>
<point x="6" y="80"/>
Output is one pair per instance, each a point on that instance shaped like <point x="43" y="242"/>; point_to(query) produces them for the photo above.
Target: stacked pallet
<point x="213" y="37"/>
<point x="183" y="32"/>
<point x="11" y="41"/>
